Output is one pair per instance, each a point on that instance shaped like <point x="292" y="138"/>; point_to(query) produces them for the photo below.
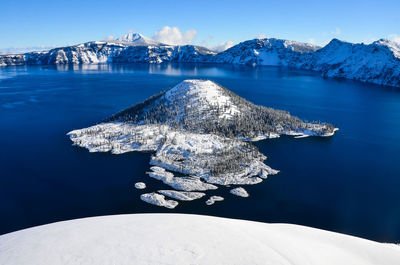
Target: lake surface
<point x="349" y="183"/>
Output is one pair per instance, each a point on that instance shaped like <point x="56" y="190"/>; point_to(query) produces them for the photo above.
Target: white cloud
<point x="311" y="41"/>
<point x="395" y="38"/>
<point x="223" y="46"/>
<point x="109" y="38"/>
<point x="262" y="36"/>
<point x="173" y="36"/>
<point x="337" y="31"/>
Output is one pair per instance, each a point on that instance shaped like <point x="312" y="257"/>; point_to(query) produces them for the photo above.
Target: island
<point x="200" y="134"/>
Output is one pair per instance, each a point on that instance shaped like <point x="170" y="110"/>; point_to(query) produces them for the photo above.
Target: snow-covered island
<point x="378" y="62"/>
<point x="140" y="185"/>
<point x="176" y="239"/>
<point x="200" y="131"/>
<point x="239" y="191"/>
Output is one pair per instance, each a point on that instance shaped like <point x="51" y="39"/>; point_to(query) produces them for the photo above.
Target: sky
<point x="217" y="24"/>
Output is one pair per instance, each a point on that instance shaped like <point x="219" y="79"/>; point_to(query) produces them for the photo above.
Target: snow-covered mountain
<point x="137" y="39"/>
<point x="202" y="106"/>
<point x="109" y="52"/>
<point x="198" y="129"/>
<point x="377" y="63"/>
<point x="130" y="48"/>
<point x="266" y="52"/>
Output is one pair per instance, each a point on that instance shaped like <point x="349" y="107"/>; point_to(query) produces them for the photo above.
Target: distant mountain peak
<point x="131" y="36"/>
<point x="136" y="38"/>
<point x="393" y="46"/>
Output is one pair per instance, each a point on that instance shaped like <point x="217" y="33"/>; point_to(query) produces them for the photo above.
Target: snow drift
<point x="187" y="239"/>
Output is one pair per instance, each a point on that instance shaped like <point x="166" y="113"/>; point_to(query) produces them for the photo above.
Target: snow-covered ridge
<point x="199" y="132"/>
<point x="378" y="62"/>
<point x="274" y="52"/>
<point x="140" y="50"/>
<point x="145" y="239"/>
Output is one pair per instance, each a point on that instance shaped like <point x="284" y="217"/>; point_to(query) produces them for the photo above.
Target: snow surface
<point x="239" y="191"/>
<point x="159" y="200"/>
<point x="214" y="199"/>
<point x="148" y="239"/>
<point x="140" y="185"/>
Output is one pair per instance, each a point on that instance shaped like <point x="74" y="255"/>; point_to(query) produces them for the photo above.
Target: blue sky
<point x="28" y="23"/>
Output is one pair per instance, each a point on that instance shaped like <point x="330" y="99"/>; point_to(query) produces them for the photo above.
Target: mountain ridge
<point x="378" y="62"/>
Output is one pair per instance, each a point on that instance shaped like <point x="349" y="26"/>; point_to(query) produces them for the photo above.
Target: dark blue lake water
<point x="348" y="183"/>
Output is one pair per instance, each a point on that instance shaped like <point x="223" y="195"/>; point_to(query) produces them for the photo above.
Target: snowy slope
<point x="200" y="95"/>
<point x="187" y="239"/>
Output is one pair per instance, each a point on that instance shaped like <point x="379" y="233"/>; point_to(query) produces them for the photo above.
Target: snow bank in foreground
<point x="146" y="239"/>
